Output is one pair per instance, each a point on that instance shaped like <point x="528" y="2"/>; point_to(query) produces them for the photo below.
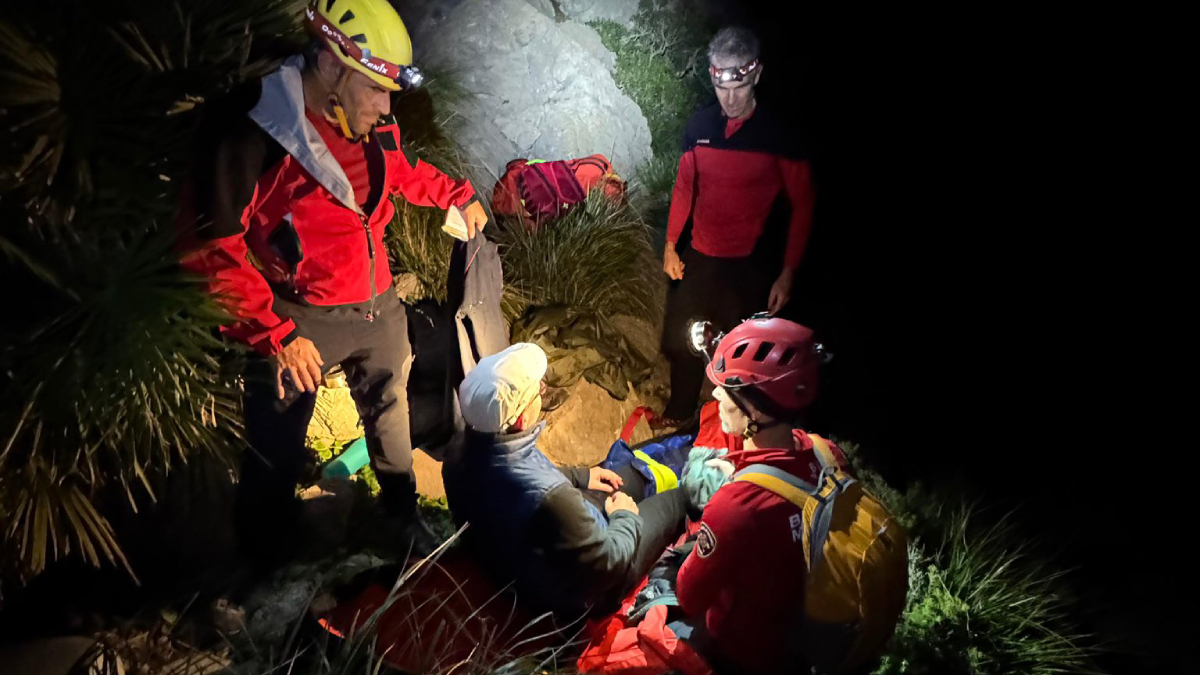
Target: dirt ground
<point x="580" y="432"/>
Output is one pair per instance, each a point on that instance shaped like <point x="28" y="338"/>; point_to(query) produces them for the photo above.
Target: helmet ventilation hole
<point x="763" y="350"/>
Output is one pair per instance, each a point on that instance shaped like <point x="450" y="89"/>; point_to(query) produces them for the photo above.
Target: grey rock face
<point x="537" y="88"/>
<point x="620" y="11"/>
<point x="589" y="40"/>
<point x="544" y="6"/>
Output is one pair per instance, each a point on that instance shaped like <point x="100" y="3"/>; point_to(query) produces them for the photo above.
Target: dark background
<point x="972" y="268"/>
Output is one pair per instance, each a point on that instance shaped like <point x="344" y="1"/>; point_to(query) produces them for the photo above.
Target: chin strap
<point x="753" y="426"/>
<point x="751" y="430"/>
<point x="341" y="118"/>
<point x="335" y="100"/>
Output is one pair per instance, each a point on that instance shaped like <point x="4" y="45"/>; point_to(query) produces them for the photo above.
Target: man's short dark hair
<point x="734" y="42"/>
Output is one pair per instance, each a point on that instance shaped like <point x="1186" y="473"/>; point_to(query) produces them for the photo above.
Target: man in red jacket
<point x="288" y="211"/>
<point x="738" y="159"/>
<point x="743" y="584"/>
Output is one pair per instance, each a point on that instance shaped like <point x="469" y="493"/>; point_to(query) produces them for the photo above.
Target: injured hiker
<point x="573" y="540"/>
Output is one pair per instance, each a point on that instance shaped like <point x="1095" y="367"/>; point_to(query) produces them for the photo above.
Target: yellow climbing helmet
<point x="367" y="35"/>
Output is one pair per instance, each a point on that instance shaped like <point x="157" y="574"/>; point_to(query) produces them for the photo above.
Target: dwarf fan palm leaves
<point x="112" y="371"/>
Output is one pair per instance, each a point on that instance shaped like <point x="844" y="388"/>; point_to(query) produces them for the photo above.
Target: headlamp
<point x="410" y="77"/>
<point x="703" y="338"/>
<point x="732" y="74"/>
<point x="407" y="77"/>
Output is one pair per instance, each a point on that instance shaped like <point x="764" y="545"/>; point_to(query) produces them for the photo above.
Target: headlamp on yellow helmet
<point x="369" y="36"/>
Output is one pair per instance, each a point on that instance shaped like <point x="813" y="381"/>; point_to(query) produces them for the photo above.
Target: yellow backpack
<point x="857" y="564"/>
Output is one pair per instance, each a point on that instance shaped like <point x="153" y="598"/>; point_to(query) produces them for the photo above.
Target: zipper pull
<point x="370" y="238"/>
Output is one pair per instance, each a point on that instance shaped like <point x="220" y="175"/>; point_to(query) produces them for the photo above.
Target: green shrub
<point x="981" y="605"/>
<point x="436" y="513"/>
<point x="598" y="257"/>
<point x="417" y="246"/>
<point x="978" y="602"/>
<point x="662" y="66"/>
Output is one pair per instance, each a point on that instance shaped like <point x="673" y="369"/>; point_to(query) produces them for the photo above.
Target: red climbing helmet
<point x="775" y="357"/>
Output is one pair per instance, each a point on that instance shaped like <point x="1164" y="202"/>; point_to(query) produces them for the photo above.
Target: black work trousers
<point x="724" y="291"/>
<point x="375" y="356"/>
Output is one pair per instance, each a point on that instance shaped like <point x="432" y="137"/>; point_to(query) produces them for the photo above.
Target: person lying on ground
<point x="573" y="540"/>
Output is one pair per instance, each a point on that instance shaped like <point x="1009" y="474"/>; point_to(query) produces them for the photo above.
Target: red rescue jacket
<point x="746" y="577"/>
<point x="272" y="189"/>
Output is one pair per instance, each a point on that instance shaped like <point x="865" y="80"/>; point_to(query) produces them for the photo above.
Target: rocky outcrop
<point x="620" y="11"/>
<point x="536" y="86"/>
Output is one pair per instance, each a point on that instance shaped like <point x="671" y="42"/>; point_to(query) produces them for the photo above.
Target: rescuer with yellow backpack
<point x="793" y="567"/>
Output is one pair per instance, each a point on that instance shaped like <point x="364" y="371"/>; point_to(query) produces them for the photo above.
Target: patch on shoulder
<point x="706" y="541"/>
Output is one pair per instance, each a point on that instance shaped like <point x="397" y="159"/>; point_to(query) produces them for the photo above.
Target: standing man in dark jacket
<point x="738" y="158"/>
<point x="568" y="550"/>
<point x="288" y="216"/>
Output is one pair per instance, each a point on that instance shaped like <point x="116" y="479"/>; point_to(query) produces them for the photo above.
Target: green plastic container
<point x="349" y="462"/>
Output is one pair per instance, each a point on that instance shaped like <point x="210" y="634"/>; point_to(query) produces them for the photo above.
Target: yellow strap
<point x="664" y="478"/>
<point x="789" y="492"/>
<point x="822" y="447"/>
<point x="341" y="118"/>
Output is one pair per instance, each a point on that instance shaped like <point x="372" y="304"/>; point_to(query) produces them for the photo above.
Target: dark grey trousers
<point x="375" y="355"/>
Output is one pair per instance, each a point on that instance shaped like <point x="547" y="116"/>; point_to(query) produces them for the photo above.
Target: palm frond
<point x="112" y="370"/>
<point x="122" y="379"/>
<point x="48" y="514"/>
<point x="89" y="96"/>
